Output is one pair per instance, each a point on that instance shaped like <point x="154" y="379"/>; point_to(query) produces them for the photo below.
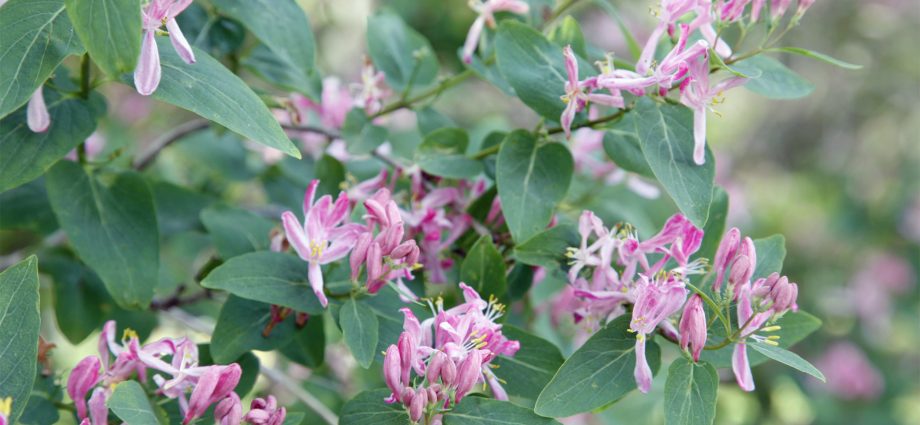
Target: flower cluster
<point x="486" y="10"/>
<point x="388" y="255"/>
<point x="685" y="66"/>
<point x="449" y="354"/>
<point x="156" y="14"/>
<point x="177" y="373"/>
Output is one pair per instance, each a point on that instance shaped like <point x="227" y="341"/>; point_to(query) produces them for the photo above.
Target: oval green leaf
<point x="19" y="325"/>
<point x="359" y="328"/>
<point x="484" y="268"/>
<point x="776" y="81"/>
<point x="131" y="405"/>
<point x="368" y="408"/>
<point x="110" y="30"/>
<point x="404" y="55"/>
<point x="690" y="393"/>
<point x="484" y="411"/>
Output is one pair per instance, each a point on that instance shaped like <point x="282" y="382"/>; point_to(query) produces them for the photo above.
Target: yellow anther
<point x="773" y="328"/>
<point x="771" y="342"/>
<point x="494" y="366"/>
<point x="773" y="337"/>
<point x="6" y="406"/>
<point x="128" y="334"/>
<point x="316" y="249"/>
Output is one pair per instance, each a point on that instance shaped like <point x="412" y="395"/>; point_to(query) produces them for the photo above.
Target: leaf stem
<point x="434" y="91"/>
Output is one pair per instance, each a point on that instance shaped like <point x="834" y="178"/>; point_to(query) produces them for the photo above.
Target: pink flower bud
<point x="741" y="271"/>
<point x="468" y="374"/>
<point x="434" y="366"/>
<point x="726" y="252"/>
<point x="37" y="116"/>
<point x="693" y="326"/>
<point x="229" y="411"/>
<point x="376" y="211"/>
<point x="392" y="370"/>
<point x="98" y="411"/>
<point x="265" y="412"/>
<point x="449" y="373"/>
<point x="216" y="383"/>
<point x="147" y="73"/>
<point x="418" y="404"/>
<point x="84" y="377"/>
<point x="359" y="254"/>
<point x="374" y="262"/>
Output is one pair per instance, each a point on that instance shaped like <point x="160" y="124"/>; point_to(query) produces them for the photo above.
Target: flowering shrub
<point x="307" y="218"/>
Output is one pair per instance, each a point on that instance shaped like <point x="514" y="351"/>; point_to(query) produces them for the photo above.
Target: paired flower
<point x="449" y="353"/>
<point x="156" y="14"/>
<point x="323" y="238"/>
<point x="486" y="10"/>
<point x="175" y="362"/>
<point x="579" y="93"/>
<point x="655" y="300"/>
<point x="697" y="94"/>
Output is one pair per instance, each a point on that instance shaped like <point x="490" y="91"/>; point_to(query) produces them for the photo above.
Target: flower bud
<point x="434" y="366"/>
<point x="725" y="253"/>
<point x="359" y="253"/>
<point x="84" y="377"/>
<point x="377" y="212"/>
<point x="693" y="326"/>
<point x="392" y="370"/>
<point x="448" y="373"/>
<point x="374" y="262"/>
<point x="468" y="374"/>
<point x="407" y="347"/>
<point x="37" y="116"/>
<point x="741" y="271"/>
<point x="229" y="411"/>
<point x="418" y="404"/>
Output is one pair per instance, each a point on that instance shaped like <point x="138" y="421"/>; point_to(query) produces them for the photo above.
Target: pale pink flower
<point x="37" y="116"/>
<point x="372" y="90"/>
<point x="214" y="384"/>
<point x="265" y="411"/>
<point x="693" y="327"/>
<point x="323" y="238"/>
<point x="229" y="411"/>
<point x="83" y="377"/>
<point x="579" y="93"/>
<point x="697" y="94"/>
<point x="486" y="10"/>
<point x="335" y="102"/>
<point x="158" y="12"/>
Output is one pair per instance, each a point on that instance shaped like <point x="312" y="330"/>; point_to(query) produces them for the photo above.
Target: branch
<point x="206" y="326"/>
<point x="591" y="123"/>
<point x="145" y="159"/>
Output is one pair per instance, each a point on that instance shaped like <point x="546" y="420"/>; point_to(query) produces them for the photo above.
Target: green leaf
<point x="235" y="231"/>
<point x="130" y="404"/>
<point x="27" y="207"/>
<point x="404" y="55"/>
<point x="795" y="326"/>
<point x="715" y="225"/>
<point x="568" y="33"/>
<point x="484" y="411"/>
<point x="531" y="368"/>
<point x="110" y="30"/>
<point x="269" y="277"/>
<point x="361" y="134"/>
<point x="776" y="81"/>
<point x="113" y="228"/>
<point x="309" y="344"/>
<point x="19" y="325"/>
<point x="209" y="89"/>
<point x="787" y="358"/>
<point x="25" y="155"/>
<point x="547" y="248"/>
<point x="262" y="62"/>
<point x="41" y="410"/>
<point x="819" y="56"/>
<point x="281" y="25"/>
<point x="534" y="66"/>
<point x="600" y="372"/>
<point x="621" y="143"/>
<point x="771" y="251"/>
<point x="531" y="180"/>
<point x="368" y="408"/>
<point x="484" y="268"/>
<point x="430" y="120"/>
<point x="79" y="297"/>
<point x="443" y="153"/>
<point x="666" y="137"/>
<point x="240" y="327"/>
<point x="690" y="393"/>
<point x="178" y="208"/>
<point x="359" y="328"/>
<point x="37" y="36"/>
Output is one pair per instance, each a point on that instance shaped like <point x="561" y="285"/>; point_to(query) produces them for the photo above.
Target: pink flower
<point x="668" y="14"/>
<point x="850" y="374"/>
<point x="370" y="92"/>
<point x="386" y="256"/>
<point x="322" y="238"/>
<point x="486" y="10"/>
<point x="265" y="411"/>
<point x="335" y="102"/>
<point x="215" y="383"/>
<point x="578" y="93"/>
<point x="98" y="411"/>
<point x="693" y="326"/>
<point x="696" y="93"/>
<point x="147" y="74"/>
<point x="83" y="378"/>
<point x="37" y="116"/>
<point x="656" y="300"/>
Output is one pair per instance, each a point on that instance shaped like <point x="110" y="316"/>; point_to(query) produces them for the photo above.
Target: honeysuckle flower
<point x="37" y="116"/>
<point x="229" y="411"/>
<point x="156" y="14"/>
<point x="98" y="411"/>
<point x="579" y="93"/>
<point x="735" y="260"/>
<point x="486" y="10"/>
<point x="215" y="383"/>
<point x="335" y="102"/>
<point x="668" y="14"/>
<point x="656" y="299"/>
<point x="452" y="351"/>
<point x="692" y="329"/>
<point x="388" y="255"/>
<point x="697" y="93"/>
<point x="703" y="23"/>
<point x="732" y="10"/>
<point x="372" y="90"/>
<point x="322" y="238"/>
<point x="778" y="8"/>
<point x="83" y="377"/>
<point x="265" y="411"/>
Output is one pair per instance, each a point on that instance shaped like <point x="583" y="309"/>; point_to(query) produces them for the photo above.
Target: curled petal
<point x="642" y="373"/>
<point x="179" y="42"/>
<point x="742" y="368"/>
<point x="315" y="275"/>
<point x="147" y="73"/>
<point x="472" y="39"/>
<point x="37" y="112"/>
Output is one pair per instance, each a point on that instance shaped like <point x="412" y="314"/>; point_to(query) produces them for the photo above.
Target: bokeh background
<point x="837" y="173"/>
